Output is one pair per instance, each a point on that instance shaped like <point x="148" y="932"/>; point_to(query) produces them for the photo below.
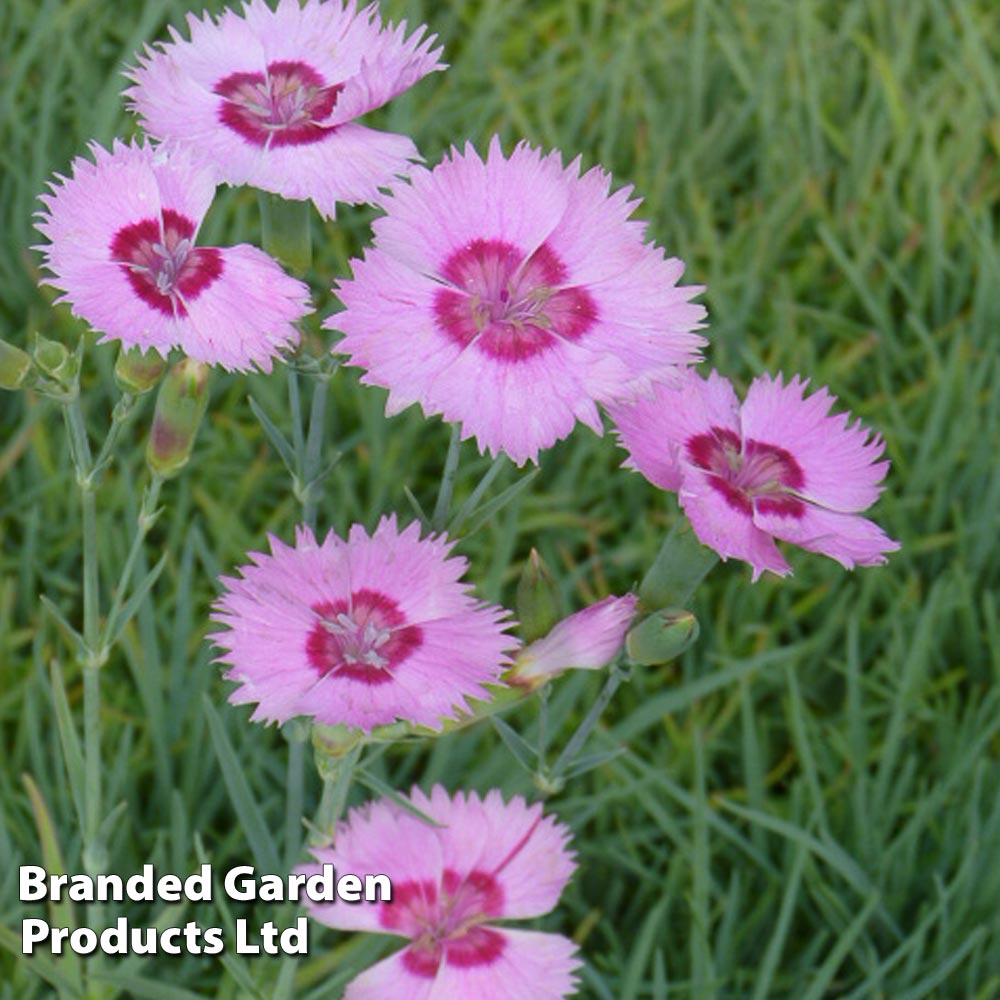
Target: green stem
<point x="314" y="451"/>
<point x="285" y="230"/>
<point x="93" y="852"/>
<point x="295" y="404"/>
<point x="147" y="515"/>
<point x="119" y="417"/>
<point x="337" y="774"/>
<point x="293" y="800"/>
<point x="91" y="574"/>
<point x="681" y="565"/>
<point x="439" y="519"/>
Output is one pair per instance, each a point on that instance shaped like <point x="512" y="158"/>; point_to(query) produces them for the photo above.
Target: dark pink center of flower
<point x="365" y="639"/>
<point x="445" y="925"/>
<point x="511" y="307"/>
<point x="281" y="107"/>
<point x="750" y="475"/>
<point x="162" y="266"/>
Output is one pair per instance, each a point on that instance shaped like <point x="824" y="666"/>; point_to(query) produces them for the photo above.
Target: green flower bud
<point x="180" y="405"/>
<point x="60" y="367"/>
<point x="662" y="637"/>
<point x="137" y="372"/>
<point x="537" y="600"/>
<point x="331" y="743"/>
<point x="15" y="366"/>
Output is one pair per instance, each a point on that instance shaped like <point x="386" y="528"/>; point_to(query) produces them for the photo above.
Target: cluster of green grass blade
<point x="808" y="803"/>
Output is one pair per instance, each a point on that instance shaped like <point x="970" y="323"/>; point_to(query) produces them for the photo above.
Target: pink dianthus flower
<point x="777" y="466"/>
<point x="487" y="861"/>
<point x="269" y="97"/>
<point x="122" y="234"/>
<point x="513" y="296"/>
<point x="359" y="632"/>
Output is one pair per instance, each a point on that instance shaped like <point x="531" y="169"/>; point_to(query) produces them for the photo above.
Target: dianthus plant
<point x="509" y="291"/>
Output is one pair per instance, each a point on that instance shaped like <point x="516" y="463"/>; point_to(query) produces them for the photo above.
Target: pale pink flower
<point x="587" y="640"/>
<point x="487" y="861"/>
<point x="779" y="465"/>
<point x="513" y="296"/>
<point x="123" y="231"/>
<point x="361" y="632"/>
<point x="269" y="97"/>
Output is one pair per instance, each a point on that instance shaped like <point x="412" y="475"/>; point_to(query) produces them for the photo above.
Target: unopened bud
<point x="60" y="365"/>
<point x="15" y="366"/>
<point x="180" y="405"/>
<point x="137" y="371"/>
<point x="537" y="599"/>
<point x="587" y="640"/>
<point x="331" y="743"/>
<point x="662" y="637"/>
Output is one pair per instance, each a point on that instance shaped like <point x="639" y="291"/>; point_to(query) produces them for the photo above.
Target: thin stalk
<point x="147" y="515"/>
<point x="439" y="519"/>
<point x="286" y="230"/>
<point x="91" y="576"/>
<point x="119" y="417"/>
<point x="314" y="451"/>
<point x="295" y="404"/>
<point x="293" y="800"/>
<point x="337" y="776"/>
<point x="93" y="852"/>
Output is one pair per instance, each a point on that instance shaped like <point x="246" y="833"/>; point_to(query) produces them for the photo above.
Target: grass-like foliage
<point x="808" y="804"/>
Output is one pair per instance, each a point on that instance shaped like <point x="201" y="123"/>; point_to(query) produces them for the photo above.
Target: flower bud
<point x="333" y="742"/>
<point x="662" y="637"/>
<point x="180" y="405"/>
<point x="537" y="600"/>
<point x="58" y="364"/>
<point x="588" y="640"/>
<point x="137" y="371"/>
<point x="15" y="366"/>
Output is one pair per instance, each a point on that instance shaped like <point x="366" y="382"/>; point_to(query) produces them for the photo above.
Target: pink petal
<point x="513" y="842"/>
<point x="655" y="429"/>
<point x="726" y="529"/>
<point x="532" y="966"/>
<point x="849" y="538"/>
<point x="587" y="640"/>
<point x="838" y="460"/>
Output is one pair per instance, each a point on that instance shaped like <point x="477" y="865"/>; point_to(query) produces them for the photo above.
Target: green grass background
<point x="809" y="805"/>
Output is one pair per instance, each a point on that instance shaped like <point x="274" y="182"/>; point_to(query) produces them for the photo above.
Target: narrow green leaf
<point x="497" y="504"/>
<point x="261" y="842"/>
<point x="61" y="912"/>
<point x="522" y="751"/>
<point x="379" y="787"/>
<point x="69" y="740"/>
<point x="115" y="626"/>
<point x="277" y="439"/>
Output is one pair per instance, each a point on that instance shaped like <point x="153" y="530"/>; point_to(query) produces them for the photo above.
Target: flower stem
<point x="296" y="734"/>
<point x="337" y="774"/>
<point x="285" y="230"/>
<point x="119" y="417"/>
<point x="314" y="451"/>
<point x="93" y="852"/>
<point x="442" y="508"/>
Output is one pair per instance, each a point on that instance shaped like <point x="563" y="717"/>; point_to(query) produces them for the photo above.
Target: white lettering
<point x="244" y="891"/>
<point x="380" y="882"/>
<point x="349" y="888"/>
<point x="33" y="930"/>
